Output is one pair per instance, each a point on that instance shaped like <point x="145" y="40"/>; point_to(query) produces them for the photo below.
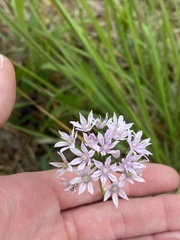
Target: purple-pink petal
<point x="107" y="195"/>
<point x="90" y="188"/>
<point x="75" y="161"/>
<point x="115" y="199"/>
<point x="82" y="188"/>
<point x="98" y="164"/>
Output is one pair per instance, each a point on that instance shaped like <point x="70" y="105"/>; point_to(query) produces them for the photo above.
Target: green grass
<point x="125" y="61"/>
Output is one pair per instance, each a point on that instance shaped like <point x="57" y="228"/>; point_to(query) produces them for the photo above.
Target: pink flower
<point x="138" y="146"/>
<point x="63" y="166"/>
<point x="107" y="146"/>
<point x="101" y="124"/>
<point x="119" y="127"/>
<point x="115" y="190"/>
<point x="84" y="125"/>
<point x="84" y="156"/>
<point x="69" y="140"/>
<point x="84" y="180"/>
<point x="105" y="171"/>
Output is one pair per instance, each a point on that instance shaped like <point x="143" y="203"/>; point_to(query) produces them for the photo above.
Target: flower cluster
<point x="110" y="152"/>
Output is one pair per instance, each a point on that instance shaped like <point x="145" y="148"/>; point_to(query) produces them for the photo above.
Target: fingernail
<point x="1" y="61"/>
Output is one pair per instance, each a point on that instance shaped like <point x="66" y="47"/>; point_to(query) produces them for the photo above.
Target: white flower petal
<point x="115" y="199"/>
<point x="107" y="195"/>
<point x="90" y="188"/>
<point x="112" y="177"/>
<point x="60" y="144"/>
<point x="56" y="164"/>
<point x="75" y="161"/>
<point x="123" y="194"/>
<point x="76" y="151"/>
<point x="82" y="188"/>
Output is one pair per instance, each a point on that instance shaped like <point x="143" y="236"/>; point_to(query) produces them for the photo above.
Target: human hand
<point x="35" y="206"/>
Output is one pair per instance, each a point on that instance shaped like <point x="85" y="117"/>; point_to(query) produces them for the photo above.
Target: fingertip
<point x="7" y="88"/>
<point x="166" y="177"/>
<point x="158" y="178"/>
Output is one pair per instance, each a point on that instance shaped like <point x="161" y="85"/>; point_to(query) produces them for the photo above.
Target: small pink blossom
<point x="105" y="171"/>
<point x="69" y="140"/>
<point x="84" y="156"/>
<point x="84" y="125"/>
<point x="115" y="190"/>
<point x="63" y="166"/>
<point x="138" y="146"/>
<point x="107" y="144"/>
<point x="84" y="180"/>
<point x="101" y="124"/>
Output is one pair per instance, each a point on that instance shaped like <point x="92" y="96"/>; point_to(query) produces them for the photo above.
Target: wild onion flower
<point x="110" y="153"/>
<point x="69" y="140"/>
<point x="63" y="166"/>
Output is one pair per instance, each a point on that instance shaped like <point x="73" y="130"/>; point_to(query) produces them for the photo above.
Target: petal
<point x="115" y="199"/>
<point x="76" y="180"/>
<point x="90" y="188"/>
<point x="138" y="136"/>
<point x="60" y="144"/>
<point x="115" y="153"/>
<point x="112" y="145"/>
<point x="76" y="151"/>
<point x="138" y="179"/>
<point x="63" y="149"/>
<point x="82" y="166"/>
<point x="56" y="164"/>
<point x="96" y="174"/>
<point x="75" y="161"/>
<point x="83" y="147"/>
<point x="64" y="135"/>
<point x="70" y="169"/>
<point x="123" y="194"/>
<point x="91" y="153"/>
<point x="82" y="188"/>
<point x="108" y="161"/>
<point x="114" y="118"/>
<point x="103" y="180"/>
<point x="107" y="195"/>
<point x="112" y="177"/>
<point x="82" y="119"/>
<point x="90" y="117"/>
<point x="98" y="164"/>
<point x="130" y="180"/>
<point x="76" y="124"/>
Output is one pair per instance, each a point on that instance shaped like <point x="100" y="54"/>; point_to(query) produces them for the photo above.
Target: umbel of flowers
<point x="110" y="152"/>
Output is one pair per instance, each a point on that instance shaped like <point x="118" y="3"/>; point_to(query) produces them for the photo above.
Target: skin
<point x="34" y="206"/>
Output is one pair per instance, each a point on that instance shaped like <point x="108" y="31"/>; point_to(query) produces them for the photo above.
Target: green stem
<point x="101" y="188"/>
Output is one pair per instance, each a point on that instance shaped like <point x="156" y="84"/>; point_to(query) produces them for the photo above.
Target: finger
<point x="159" y="179"/>
<point x="137" y="217"/>
<point x="172" y="235"/>
<point x="7" y="88"/>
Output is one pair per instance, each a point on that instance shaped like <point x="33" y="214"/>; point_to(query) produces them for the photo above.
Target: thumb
<point x="7" y="88"/>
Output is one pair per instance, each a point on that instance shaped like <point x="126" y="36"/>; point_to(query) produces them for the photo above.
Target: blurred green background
<point x="73" y="56"/>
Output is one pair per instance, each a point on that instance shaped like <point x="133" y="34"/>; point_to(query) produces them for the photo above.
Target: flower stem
<point x="101" y="188"/>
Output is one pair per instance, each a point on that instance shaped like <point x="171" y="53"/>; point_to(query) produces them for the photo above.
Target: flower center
<point x="84" y="157"/>
<point x="105" y="170"/>
<point x="86" y="126"/>
<point x="86" y="179"/>
<point x="115" y="189"/>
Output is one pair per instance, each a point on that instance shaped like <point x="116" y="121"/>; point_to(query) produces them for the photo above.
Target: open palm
<point x="34" y="206"/>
